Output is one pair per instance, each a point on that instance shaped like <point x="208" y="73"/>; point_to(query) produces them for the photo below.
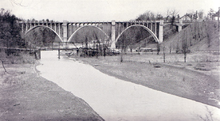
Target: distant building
<point x="187" y="17"/>
<point x="216" y="15"/>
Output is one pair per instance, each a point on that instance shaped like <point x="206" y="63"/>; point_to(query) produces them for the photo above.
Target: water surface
<point x="114" y="99"/>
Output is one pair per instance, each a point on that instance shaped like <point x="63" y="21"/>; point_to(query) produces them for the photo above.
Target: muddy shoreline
<point x="27" y="96"/>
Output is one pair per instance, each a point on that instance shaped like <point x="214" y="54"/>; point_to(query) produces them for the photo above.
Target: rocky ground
<point x="26" y="96"/>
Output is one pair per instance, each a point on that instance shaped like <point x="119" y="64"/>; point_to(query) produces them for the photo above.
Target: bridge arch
<point x="84" y="27"/>
<point x="136" y="25"/>
<point x="44" y="27"/>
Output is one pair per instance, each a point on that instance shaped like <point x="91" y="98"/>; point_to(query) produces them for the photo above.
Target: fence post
<point x="163" y="54"/>
<point x="39" y="53"/>
<point x="58" y="53"/>
<point x="35" y="55"/>
<point x="52" y="45"/>
<point x="66" y="46"/>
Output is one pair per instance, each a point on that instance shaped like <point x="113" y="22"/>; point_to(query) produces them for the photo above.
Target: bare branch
<point x="20" y="3"/>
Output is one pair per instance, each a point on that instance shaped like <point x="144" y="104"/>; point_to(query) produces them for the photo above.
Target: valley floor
<point x="194" y="80"/>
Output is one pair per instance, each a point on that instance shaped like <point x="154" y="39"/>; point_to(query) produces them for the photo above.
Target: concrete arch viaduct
<point x="113" y="30"/>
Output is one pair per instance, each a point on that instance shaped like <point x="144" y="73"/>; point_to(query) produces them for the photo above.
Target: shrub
<point x="21" y="58"/>
<point x="26" y="58"/>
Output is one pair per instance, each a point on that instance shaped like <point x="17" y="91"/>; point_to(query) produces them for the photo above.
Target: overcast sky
<point x="101" y="10"/>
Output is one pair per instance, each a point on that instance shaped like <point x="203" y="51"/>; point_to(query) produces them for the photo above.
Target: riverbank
<point x="174" y="78"/>
<point x="26" y="96"/>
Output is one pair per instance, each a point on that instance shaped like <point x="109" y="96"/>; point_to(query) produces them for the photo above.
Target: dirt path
<point x="26" y="96"/>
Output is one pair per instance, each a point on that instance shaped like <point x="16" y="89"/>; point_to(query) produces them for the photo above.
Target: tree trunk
<point x="4" y="67"/>
<point x="170" y="48"/>
<point x="164" y="54"/>
<point x="121" y="57"/>
<point x="121" y="53"/>
<point x="185" y="57"/>
<point x="164" y="58"/>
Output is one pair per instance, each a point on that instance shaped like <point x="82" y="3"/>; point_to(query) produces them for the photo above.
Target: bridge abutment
<point x="180" y="26"/>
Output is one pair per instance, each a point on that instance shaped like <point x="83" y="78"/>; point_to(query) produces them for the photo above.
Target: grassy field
<point x="198" y="79"/>
<point x="26" y="96"/>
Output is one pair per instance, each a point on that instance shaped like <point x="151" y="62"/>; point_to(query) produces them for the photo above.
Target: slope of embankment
<point x="25" y="96"/>
<point x="198" y="36"/>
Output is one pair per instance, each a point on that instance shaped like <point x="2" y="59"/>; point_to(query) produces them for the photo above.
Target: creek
<point x="116" y="100"/>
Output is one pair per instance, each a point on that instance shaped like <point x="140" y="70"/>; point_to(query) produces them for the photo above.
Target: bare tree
<point x="159" y="16"/>
<point x="172" y="15"/>
<point x="211" y="31"/>
<point x="201" y="14"/>
<point x="145" y="16"/>
<point x="158" y="48"/>
<point x="211" y="13"/>
<point x="177" y="47"/>
<point x="170" y="46"/>
<point x="21" y="3"/>
<point x="122" y="46"/>
<point x="164" y="57"/>
<point x="2" y="58"/>
<point x="148" y="15"/>
<point x="184" y="44"/>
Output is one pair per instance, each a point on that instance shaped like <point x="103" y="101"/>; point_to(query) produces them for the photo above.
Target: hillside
<point x="199" y="36"/>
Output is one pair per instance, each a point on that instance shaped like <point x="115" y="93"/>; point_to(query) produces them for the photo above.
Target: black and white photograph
<point x="109" y="60"/>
